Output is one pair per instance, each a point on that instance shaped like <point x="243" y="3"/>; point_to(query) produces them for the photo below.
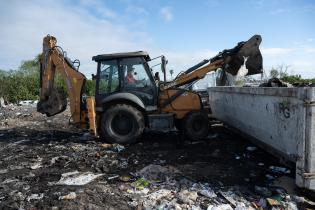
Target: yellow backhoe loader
<point x="127" y="98"/>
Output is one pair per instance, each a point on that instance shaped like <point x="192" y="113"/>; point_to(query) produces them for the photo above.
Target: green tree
<point x="280" y="71"/>
<point x="90" y="87"/>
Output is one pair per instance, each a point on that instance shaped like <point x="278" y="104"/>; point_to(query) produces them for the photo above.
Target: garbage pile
<point x="45" y="163"/>
<point x="24" y="114"/>
<point x="166" y="188"/>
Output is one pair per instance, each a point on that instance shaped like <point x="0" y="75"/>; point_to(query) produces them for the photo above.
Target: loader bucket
<point x="54" y="104"/>
<point x="234" y="58"/>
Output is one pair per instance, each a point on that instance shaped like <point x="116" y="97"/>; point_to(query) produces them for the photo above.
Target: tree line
<point x="281" y="72"/>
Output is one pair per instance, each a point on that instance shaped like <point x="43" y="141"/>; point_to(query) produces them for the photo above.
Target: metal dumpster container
<point x="281" y="119"/>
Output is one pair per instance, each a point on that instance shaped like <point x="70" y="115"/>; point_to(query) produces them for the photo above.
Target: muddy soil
<point x="161" y="171"/>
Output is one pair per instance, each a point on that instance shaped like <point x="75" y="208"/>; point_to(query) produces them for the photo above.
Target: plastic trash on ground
<point x="77" y="178"/>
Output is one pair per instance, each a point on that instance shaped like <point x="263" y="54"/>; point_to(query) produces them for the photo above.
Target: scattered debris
<point x="86" y="136"/>
<point x="188" y="197"/>
<point x="154" y="198"/>
<point x="157" y="173"/>
<point x="35" y="197"/>
<point x="204" y="189"/>
<point x="264" y="191"/>
<point x="3" y="171"/>
<point x="141" y="183"/>
<point x="2" y="104"/>
<point x="275" y="82"/>
<point x="45" y="163"/>
<point x="280" y="170"/>
<point x="220" y="207"/>
<point x="106" y="146"/>
<point x="272" y="202"/>
<point x="118" y="148"/>
<point x="113" y="177"/>
<point x="125" y="178"/>
<point x="286" y="183"/>
<point x="36" y="166"/>
<point x="70" y="196"/>
<point x="28" y="103"/>
<point x="251" y="148"/>
<point x="77" y="178"/>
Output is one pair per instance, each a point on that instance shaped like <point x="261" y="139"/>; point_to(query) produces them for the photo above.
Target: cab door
<point x="108" y="79"/>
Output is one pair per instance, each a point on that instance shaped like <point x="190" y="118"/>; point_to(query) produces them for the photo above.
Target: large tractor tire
<point x="122" y="124"/>
<point x="196" y="125"/>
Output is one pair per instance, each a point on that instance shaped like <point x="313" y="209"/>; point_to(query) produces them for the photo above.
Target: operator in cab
<point x="129" y="78"/>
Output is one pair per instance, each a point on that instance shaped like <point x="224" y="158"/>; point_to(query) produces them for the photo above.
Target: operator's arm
<point x="195" y="75"/>
<point x="53" y="60"/>
<point x="229" y="60"/>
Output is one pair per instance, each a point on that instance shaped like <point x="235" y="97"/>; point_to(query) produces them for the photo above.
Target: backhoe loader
<point x="127" y="98"/>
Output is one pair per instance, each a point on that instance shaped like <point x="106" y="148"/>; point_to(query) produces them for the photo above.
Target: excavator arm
<point x="229" y="60"/>
<point x="52" y="100"/>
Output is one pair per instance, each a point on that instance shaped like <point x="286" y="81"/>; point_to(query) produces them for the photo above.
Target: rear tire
<point x="196" y="125"/>
<point x="122" y="124"/>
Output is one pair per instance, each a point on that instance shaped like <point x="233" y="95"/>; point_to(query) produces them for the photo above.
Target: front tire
<point x="122" y="124"/>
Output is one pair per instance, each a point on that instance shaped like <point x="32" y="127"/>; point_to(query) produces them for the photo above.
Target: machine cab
<point x="125" y="76"/>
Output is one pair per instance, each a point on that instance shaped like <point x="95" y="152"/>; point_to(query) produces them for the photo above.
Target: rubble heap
<point x="47" y="164"/>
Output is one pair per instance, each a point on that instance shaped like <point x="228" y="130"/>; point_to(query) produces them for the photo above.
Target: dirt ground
<point x="45" y="163"/>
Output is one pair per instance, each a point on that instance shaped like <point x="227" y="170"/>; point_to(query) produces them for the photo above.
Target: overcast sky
<point x="186" y="32"/>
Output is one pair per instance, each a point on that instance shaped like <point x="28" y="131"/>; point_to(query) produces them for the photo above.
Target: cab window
<point x="109" y="77"/>
<point x="134" y="73"/>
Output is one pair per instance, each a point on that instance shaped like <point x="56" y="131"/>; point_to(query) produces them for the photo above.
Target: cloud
<point x="84" y="32"/>
<point x="276" y="51"/>
<point x="99" y="7"/>
<point x="279" y="11"/>
<point x="300" y="59"/>
<point x="212" y="3"/>
<point x="81" y="33"/>
<point x="260" y="2"/>
<point x="166" y="14"/>
<point x="137" y="10"/>
<point x="181" y="61"/>
<point x="310" y="50"/>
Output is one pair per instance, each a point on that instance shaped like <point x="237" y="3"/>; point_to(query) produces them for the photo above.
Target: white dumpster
<point x="282" y="119"/>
